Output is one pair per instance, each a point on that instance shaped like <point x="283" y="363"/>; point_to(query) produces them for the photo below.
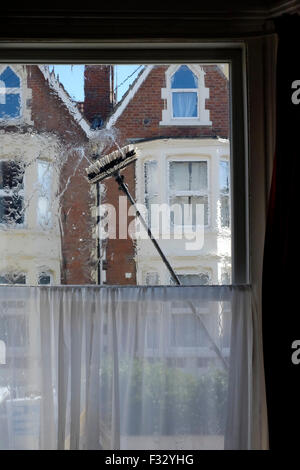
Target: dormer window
<point x="10" y="94"/>
<point x="185" y="97"/>
<point x="184" y="85"/>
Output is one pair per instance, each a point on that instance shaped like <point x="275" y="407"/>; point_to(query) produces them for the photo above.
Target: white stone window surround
<point x="25" y="95"/>
<point x="203" y="118"/>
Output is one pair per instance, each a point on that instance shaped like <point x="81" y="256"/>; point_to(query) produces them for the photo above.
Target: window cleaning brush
<point x="110" y="166"/>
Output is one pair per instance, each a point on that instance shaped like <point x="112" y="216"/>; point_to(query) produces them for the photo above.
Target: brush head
<point x="110" y="164"/>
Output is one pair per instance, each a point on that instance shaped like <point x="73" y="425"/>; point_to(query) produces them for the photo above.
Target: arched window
<point x="185" y="96"/>
<point x="184" y="85"/>
<point x="10" y="94"/>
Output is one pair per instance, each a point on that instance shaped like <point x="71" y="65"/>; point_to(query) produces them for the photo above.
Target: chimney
<point x="98" y="93"/>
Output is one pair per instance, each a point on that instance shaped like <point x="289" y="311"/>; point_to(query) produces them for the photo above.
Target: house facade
<point x="177" y="116"/>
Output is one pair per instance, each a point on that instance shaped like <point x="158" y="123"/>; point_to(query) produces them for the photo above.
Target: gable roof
<point x="121" y="106"/>
<point x="71" y="105"/>
<point x="128" y="96"/>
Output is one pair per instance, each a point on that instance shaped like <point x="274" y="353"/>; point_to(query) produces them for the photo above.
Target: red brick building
<point x="41" y="128"/>
<point x="150" y="112"/>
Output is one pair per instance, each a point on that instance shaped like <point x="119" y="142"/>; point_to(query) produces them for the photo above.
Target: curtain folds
<point x="126" y="367"/>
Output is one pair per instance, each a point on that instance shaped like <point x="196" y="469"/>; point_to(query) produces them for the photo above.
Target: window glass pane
<point x="11" y="175"/>
<point x="187" y="215"/>
<point x="184" y="78"/>
<point x="10" y="100"/>
<point x="188" y="176"/>
<point x="224" y="176"/>
<point x="13" y="278"/>
<point x="11" y="209"/>
<point x="194" y="279"/>
<point x="184" y="104"/>
<point x="44" y="279"/>
<point x="225" y="211"/>
<point x="151" y="186"/>
<point x="10" y="78"/>
<point x="44" y="200"/>
<point x="52" y="216"/>
<point x="224" y="193"/>
<point x="152" y="279"/>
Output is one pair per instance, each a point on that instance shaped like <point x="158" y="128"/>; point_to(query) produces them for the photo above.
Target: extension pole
<point x="120" y="180"/>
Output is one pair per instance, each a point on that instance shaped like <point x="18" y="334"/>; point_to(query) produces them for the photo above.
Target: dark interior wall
<point x="140" y="20"/>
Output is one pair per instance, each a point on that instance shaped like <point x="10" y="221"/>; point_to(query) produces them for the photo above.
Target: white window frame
<point x="189" y="158"/>
<point x="10" y="193"/>
<point x="203" y="118"/>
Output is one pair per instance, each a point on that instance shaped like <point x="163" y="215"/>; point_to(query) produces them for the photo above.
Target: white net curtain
<point x="126" y="367"/>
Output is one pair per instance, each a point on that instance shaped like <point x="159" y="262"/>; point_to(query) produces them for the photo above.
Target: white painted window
<point x="11" y="193"/>
<point x="44" y="214"/>
<point x="185" y="97"/>
<point x="188" y="187"/>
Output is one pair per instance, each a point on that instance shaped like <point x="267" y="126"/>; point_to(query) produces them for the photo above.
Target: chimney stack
<point x="98" y="93"/>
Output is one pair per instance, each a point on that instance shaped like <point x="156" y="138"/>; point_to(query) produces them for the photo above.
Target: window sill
<point x="185" y="122"/>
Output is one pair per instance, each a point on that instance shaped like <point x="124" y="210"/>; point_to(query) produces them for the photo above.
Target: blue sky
<point x="71" y="77"/>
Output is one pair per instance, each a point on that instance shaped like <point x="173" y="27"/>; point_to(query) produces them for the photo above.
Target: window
<point x="188" y="186"/>
<point x="201" y="279"/>
<point x="151" y="186"/>
<point x="11" y="192"/>
<point x="44" y="198"/>
<point x="12" y="278"/>
<point x="224" y="194"/>
<point x="45" y="278"/>
<point x="184" y="86"/>
<point x="185" y="97"/>
<point x="10" y="94"/>
<point x="152" y="279"/>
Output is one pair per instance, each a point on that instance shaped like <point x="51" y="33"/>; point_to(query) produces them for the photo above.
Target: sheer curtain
<point x="126" y="367"/>
<point x="184" y="104"/>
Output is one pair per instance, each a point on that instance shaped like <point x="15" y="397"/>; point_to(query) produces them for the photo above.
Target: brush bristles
<point x="109" y="164"/>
